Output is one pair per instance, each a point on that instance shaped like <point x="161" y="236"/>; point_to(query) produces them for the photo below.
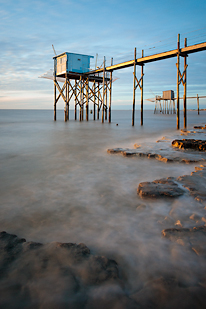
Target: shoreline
<point x="154" y="268"/>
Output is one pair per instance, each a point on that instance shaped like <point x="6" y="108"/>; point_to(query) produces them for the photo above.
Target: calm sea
<point x="58" y="183"/>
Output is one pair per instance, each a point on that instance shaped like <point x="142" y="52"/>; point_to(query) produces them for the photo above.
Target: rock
<point x="200" y="127"/>
<point x="54" y="275"/>
<point x="195" y="184"/>
<point x="190" y="144"/>
<point x="194" y="238"/>
<point x="159" y="188"/>
<point x="116" y="150"/>
<point x="136" y="146"/>
<point x="168" y="294"/>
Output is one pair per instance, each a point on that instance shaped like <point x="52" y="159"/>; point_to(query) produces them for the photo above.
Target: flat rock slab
<point x="195" y="183"/>
<point x="190" y="144"/>
<point x="56" y="275"/>
<point x="159" y="188"/>
<point x="182" y="158"/>
<point x="194" y="238"/>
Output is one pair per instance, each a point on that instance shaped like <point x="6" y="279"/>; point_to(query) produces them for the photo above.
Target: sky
<point x="111" y="28"/>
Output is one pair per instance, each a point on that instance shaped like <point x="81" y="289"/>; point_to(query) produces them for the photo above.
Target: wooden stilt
<point x="178" y="65"/>
<point x="94" y="91"/>
<point x="68" y="100"/>
<point x="142" y="74"/>
<point x="87" y="99"/>
<point x="80" y="104"/>
<point x="185" y="88"/>
<point x="134" y="88"/>
<point x="75" y="100"/>
<point x="82" y="99"/>
<point x="55" y="90"/>
<point x="98" y="101"/>
<point x="198" y="105"/>
<point x="66" y="94"/>
<point x="110" y="92"/>
<point x="106" y="84"/>
<point x="103" y="92"/>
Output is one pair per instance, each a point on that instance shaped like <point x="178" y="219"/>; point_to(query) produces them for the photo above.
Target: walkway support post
<point x="103" y="92"/>
<point x="141" y="87"/>
<point x="178" y="67"/>
<point x="110" y="92"/>
<point x="134" y="88"/>
<point x="55" y="90"/>
<point x="198" y="105"/>
<point x="185" y="88"/>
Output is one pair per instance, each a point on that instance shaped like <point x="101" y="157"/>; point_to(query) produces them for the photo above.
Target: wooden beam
<point x="156" y="57"/>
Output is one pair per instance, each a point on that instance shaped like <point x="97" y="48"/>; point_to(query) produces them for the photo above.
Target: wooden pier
<point x="94" y="85"/>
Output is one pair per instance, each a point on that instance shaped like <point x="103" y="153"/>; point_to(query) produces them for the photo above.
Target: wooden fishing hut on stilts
<point x="83" y="85"/>
<point x="87" y="86"/>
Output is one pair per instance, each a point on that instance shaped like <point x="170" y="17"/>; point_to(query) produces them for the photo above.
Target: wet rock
<point x="195" y="183"/>
<point x="136" y="146"/>
<point x="54" y="275"/>
<point x="168" y="294"/>
<point x="116" y="150"/>
<point x="159" y="188"/>
<point x="200" y="127"/>
<point x="190" y="144"/>
<point x="194" y="238"/>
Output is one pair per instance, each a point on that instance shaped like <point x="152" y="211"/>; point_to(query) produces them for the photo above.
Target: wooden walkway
<point x="181" y="77"/>
<point x="96" y="85"/>
<point x="156" y="57"/>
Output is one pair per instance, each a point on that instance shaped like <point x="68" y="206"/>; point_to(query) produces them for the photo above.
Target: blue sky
<point x="110" y="28"/>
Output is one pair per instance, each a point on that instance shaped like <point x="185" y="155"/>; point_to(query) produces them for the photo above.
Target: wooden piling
<point x="55" y="90"/>
<point x="75" y="99"/>
<point x="94" y="96"/>
<point x="68" y="99"/>
<point x="66" y="95"/>
<point x="134" y="88"/>
<point x="178" y="66"/>
<point x="98" y="100"/>
<point x="80" y="101"/>
<point x="185" y="88"/>
<point x="110" y="92"/>
<point x="87" y="99"/>
<point x="198" y="105"/>
<point x="103" y="92"/>
<point x="142" y="74"/>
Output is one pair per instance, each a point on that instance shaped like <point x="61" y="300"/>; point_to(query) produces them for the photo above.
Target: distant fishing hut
<point x="81" y="84"/>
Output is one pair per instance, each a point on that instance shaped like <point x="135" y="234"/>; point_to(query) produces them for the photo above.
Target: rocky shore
<point x="69" y="275"/>
<point x="188" y="232"/>
<point x="57" y="275"/>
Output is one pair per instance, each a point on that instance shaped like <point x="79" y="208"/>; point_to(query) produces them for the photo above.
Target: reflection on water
<point x="59" y="184"/>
